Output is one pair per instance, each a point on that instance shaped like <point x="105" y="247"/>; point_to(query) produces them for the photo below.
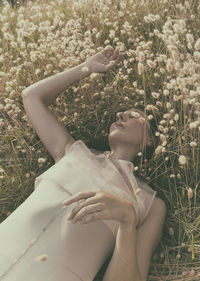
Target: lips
<point x="118" y="124"/>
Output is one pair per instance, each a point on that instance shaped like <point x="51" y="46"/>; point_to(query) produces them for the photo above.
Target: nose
<point x="121" y="116"/>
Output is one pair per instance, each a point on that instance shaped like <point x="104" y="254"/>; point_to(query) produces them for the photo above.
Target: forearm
<point x="49" y="88"/>
<point x="123" y="264"/>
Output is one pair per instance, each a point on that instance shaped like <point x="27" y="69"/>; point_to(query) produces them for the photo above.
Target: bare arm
<point x="37" y="98"/>
<point x="134" y="247"/>
<point x="48" y="89"/>
<point x="123" y="264"/>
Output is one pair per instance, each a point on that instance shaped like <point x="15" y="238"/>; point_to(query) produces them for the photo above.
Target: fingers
<point x="113" y="63"/>
<point x="115" y="59"/>
<point x="108" y="51"/>
<point x="115" y="54"/>
<point x="112" y="54"/>
<point x="119" y="58"/>
<point x="93" y="217"/>
<point x="87" y="210"/>
<point x="79" y="196"/>
<point x="81" y="204"/>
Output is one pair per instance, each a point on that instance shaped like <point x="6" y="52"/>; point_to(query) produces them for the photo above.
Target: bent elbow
<point x="25" y="93"/>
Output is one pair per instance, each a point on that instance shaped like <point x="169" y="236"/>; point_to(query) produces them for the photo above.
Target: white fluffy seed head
<point x="177" y="28"/>
<point x="150" y="117"/>
<point x="176" y="117"/>
<point x="171" y="231"/>
<point x="175" y="56"/>
<point x="138" y="190"/>
<point x="166" y="92"/>
<point x="193" y="125"/>
<point x="41" y="160"/>
<point x="140" y="68"/>
<point x="193" y="144"/>
<point x="85" y="69"/>
<point x="158" y="150"/>
<point x="142" y="119"/>
<point x="190" y="192"/>
<point x="162" y="138"/>
<point x="94" y="76"/>
<point x="155" y="95"/>
<point x="196" y="56"/>
<point x="182" y="160"/>
<point x="135" y="114"/>
<point x="189" y="38"/>
<point x="151" y="64"/>
<point x="42" y="258"/>
<point x="141" y="56"/>
<point x="197" y="45"/>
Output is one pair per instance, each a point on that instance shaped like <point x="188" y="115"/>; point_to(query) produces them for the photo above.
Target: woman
<point x="88" y="207"/>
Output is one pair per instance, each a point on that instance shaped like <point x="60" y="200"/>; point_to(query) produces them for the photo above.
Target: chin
<point x="115" y="138"/>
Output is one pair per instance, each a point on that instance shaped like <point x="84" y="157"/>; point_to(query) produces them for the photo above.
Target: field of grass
<point x="160" y="41"/>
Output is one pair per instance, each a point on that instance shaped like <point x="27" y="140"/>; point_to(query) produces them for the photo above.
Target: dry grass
<point x="161" y="46"/>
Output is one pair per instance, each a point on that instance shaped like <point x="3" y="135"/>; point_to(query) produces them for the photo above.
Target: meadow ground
<point x="160" y="41"/>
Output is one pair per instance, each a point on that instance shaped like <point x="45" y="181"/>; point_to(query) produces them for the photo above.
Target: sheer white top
<point x="86" y="169"/>
<point x="39" y="225"/>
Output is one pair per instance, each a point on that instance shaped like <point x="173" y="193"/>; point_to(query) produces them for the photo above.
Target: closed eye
<point x="132" y="116"/>
<point x="135" y="114"/>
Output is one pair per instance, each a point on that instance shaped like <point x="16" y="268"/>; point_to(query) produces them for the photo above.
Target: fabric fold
<point x="84" y="169"/>
<point x="75" y="252"/>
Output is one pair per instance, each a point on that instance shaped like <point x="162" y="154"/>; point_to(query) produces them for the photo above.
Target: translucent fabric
<point x="39" y="226"/>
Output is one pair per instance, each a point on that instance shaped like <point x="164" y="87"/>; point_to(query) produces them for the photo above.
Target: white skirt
<point x="38" y="227"/>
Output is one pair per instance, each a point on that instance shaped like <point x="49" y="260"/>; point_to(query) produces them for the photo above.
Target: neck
<point x="123" y="153"/>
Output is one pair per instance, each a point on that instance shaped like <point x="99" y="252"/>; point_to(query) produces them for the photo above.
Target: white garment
<point x="39" y="225"/>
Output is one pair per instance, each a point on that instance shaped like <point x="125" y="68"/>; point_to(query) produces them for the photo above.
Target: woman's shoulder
<point x="76" y="145"/>
<point x="159" y="203"/>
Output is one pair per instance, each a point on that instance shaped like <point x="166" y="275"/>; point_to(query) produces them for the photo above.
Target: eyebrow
<point x="136" y="111"/>
<point x="143" y="115"/>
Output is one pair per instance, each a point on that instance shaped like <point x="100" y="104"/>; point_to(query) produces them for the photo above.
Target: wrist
<point x="83" y="71"/>
<point x="128" y="227"/>
<point x="86" y="69"/>
<point x="129" y="218"/>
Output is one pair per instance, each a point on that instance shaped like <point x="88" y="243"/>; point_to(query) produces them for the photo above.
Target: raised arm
<point x="37" y="98"/>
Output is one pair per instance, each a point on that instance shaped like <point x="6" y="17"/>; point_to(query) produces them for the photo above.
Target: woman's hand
<point x="100" y="205"/>
<point x="104" y="60"/>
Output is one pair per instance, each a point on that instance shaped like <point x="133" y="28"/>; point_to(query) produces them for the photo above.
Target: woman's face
<point x="131" y="127"/>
